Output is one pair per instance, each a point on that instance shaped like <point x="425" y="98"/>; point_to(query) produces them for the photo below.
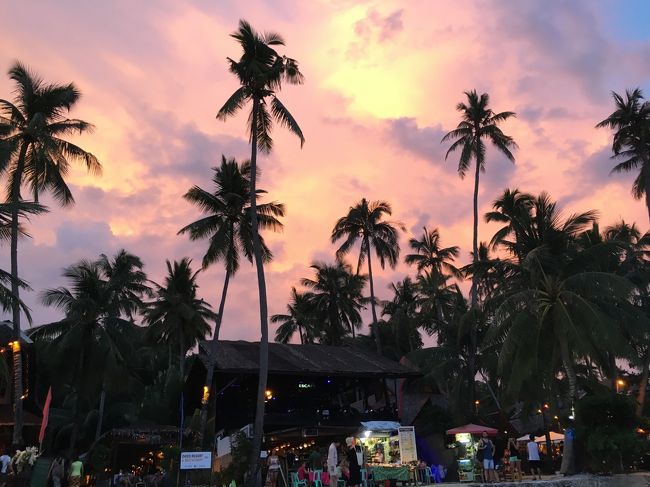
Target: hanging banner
<point x="407" y="449"/>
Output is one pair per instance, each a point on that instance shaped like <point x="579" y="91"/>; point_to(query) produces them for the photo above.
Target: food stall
<point x="389" y="450"/>
<point x="466" y="440"/>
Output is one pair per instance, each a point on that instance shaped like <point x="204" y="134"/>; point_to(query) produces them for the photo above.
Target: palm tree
<point x="631" y="141"/>
<point x="336" y="295"/>
<point x="513" y="209"/>
<point x="177" y="315"/>
<point x="430" y="255"/>
<point x="556" y="306"/>
<point x="94" y="323"/>
<point x="300" y="318"/>
<point x="228" y="226"/>
<point x="261" y="70"/>
<point x="558" y="319"/>
<point x="633" y="263"/>
<point x="478" y="123"/>
<point x="364" y="222"/>
<point x="437" y="301"/>
<point x="403" y="321"/>
<point x="127" y="282"/>
<point x="33" y="152"/>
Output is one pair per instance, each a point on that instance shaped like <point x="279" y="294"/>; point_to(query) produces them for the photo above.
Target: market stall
<point x="389" y="450"/>
<point x="466" y="439"/>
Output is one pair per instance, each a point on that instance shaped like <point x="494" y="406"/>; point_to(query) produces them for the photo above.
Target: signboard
<point x="407" y="449"/>
<point x="194" y="460"/>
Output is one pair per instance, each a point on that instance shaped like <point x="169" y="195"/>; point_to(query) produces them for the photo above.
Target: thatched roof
<point x="312" y="359"/>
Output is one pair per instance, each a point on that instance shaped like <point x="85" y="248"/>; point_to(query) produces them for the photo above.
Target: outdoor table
<point x="398" y="472"/>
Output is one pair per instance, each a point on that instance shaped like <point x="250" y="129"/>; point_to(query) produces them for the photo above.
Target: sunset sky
<point x="382" y="82"/>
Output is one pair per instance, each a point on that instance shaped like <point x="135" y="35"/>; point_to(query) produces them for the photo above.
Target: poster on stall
<point x="407" y="449"/>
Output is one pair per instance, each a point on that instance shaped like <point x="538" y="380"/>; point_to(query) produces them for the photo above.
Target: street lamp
<point x="620" y="383"/>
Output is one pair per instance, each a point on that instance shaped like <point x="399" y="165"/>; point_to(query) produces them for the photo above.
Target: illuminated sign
<point x="305" y="385"/>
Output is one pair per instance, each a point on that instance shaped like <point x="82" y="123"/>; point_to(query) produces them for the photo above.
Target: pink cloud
<point x="154" y="76"/>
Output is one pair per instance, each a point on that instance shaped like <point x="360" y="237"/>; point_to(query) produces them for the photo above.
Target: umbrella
<point x="473" y="429"/>
<point x="541" y="439"/>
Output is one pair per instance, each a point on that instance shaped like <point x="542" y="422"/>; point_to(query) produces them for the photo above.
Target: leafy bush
<point x="607" y="429"/>
<point x="240" y="454"/>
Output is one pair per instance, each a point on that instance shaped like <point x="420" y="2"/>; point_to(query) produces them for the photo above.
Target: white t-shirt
<point x="274" y="462"/>
<point x="332" y="456"/>
<point x="359" y="451"/>
<point x="4" y="461"/>
<point x="533" y="451"/>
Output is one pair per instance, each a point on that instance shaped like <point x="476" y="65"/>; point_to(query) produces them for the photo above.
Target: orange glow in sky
<point x="382" y="82"/>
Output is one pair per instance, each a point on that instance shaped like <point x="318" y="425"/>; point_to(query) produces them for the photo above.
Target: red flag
<point x="46" y="415"/>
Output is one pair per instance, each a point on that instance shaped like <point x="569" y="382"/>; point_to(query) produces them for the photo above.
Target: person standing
<point x="274" y="468"/>
<point x="514" y="459"/>
<point x="56" y="472"/>
<point x="361" y="460"/>
<point x="533" y="458"/>
<point x="5" y="468"/>
<point x="332" y="463"/>
<point x="76" y="472"/>
<point x="353" y="463"/>
<point x="486" y="446"/>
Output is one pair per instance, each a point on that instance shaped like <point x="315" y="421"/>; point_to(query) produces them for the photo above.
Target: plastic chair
<point x="364" y="477"/>
<point x="318" y="482"/>
<point x="296" y="482"/>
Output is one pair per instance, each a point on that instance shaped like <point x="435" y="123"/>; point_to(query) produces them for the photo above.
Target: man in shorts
<point x="487" y="448"/>
<point x="333" y="462"/>
<point x="533" y="458"/>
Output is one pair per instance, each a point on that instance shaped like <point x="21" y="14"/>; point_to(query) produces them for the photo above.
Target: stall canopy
<point x="473" y="429"/>
<point x="541" y="439"/>
<point x="381" y="425"/>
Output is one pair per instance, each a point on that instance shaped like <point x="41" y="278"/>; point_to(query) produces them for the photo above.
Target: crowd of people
<point x="511" y="459"/>
<point x="343" y="463"/>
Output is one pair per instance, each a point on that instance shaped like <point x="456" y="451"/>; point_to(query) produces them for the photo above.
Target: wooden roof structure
<point x="242" y="357"/>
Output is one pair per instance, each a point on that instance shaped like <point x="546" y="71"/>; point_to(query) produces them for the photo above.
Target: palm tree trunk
<point x="254" y="478"/>
<point x="302" y="341"/>
<point x="76" y="409"/>
<point x="375" y="326"/>
<point x="15" y="304"/>
<point x="100" y="419"/>
<point x="568" y="368"/>
<point x="209" y="377"/>
<point x="181" y="356"/>
<point x="473" y="298"/>
<point x="643" y="384"/>
<point x="647" y="186"/>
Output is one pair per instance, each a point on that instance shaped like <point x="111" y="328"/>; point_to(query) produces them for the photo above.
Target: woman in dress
<point x="353" y="464"/>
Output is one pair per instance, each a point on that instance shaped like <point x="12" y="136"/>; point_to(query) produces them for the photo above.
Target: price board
<point x="407" y="449"/>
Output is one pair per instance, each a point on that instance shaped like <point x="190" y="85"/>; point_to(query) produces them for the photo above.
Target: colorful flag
<point x="46" y="416"/>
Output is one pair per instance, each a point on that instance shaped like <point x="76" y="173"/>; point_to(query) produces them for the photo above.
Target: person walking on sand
<point x="533" y="458"/>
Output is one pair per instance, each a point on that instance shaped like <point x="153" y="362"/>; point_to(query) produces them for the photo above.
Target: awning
<point x="473" y="429"/>
<point x="381" y="425"/>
